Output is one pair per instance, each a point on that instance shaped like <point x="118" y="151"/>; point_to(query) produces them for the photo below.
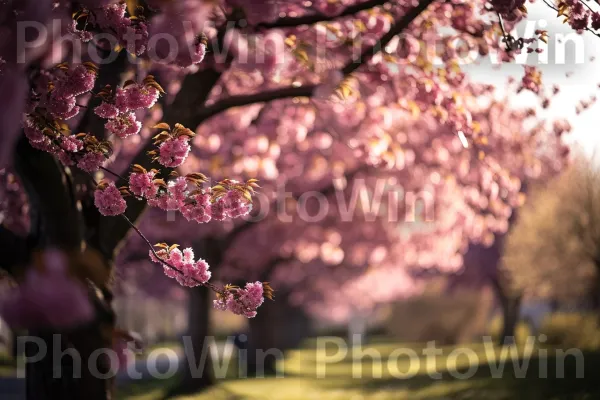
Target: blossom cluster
<point x="532" y="79"/>
<point x="119" y="106"/>
<point x="131" y="31"/>
<point x="181" y="266"/>
<point x="52" y="101"/>
<point x="228" y="199"/>
<point x="109" y="199"/>
<point x="578" y="15"/>
<point x="243" y="301"/>
<point x="82" y="150"/>
<point x="508" y="8"/>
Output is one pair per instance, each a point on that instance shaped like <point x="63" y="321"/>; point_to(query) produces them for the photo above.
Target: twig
<point x="145" y="239"/>
<point x="291" y="22"/>
<point x="112" y="173"/>
<point x="307" y="91"/>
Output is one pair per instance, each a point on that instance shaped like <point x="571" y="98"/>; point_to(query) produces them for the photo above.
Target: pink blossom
<point x="66" y="158"/>
<point x="91" y="161"/>
<point x="71" y="144"/>
<point x="173" y="198"/>
<point x="135" y="38"/>
<point x="112" y="16"/>
<point x="109" y="200"/>
<point x="242" y="301"/>
<point x="218" y="210"/>
<point x="532" y="80"/>
<point x="84" y="36"/>
<point x="142" y="185"/>
<point x="183" y="267"/>
<point x="34" y="134"/>
<point x="136" y="97"/>
<point x="197" y="209"/>
<point x="76" y="81"/>
<point x="106" y="110"/>
<point x="124" y="125"/>
<point x="329" y="8"/>
<point x="235" y="204"/>
<point x="173" y="152"/>
<point x="61" y="107"/>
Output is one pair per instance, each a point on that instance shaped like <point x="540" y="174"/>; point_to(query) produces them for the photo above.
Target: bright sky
<point x="580" y="85"/>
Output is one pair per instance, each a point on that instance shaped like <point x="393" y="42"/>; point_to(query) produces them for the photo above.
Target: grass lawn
<point x="406" y="378"/>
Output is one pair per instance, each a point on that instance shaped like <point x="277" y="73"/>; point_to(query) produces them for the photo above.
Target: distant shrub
<point x="460" y="317"/>
<point x="572" y="330"/>
<point x="522" y="330"/>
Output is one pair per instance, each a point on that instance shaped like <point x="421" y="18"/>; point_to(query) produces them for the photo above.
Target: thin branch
<point x="195" y="90"/>
<point x="307" y="91"/>
<point x="395" y="30"/>
<point x="145" y="239"/>
<point x="141" y="234"/>
<point x="113" y="173"/>
<point x="291" y="22"/>
<point x="587" y="28"/>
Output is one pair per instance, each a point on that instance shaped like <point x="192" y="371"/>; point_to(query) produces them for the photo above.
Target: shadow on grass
<point x="551" y="377"/>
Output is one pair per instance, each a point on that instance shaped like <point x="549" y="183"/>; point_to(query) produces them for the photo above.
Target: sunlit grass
<point x="401" y="378"/>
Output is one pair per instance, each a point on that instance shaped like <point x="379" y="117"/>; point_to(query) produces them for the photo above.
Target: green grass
<point x="402" y="379"/>
<point x="7" y="364"/>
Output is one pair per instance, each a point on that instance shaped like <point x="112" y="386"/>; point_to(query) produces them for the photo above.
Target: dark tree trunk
<point x="60" y="375"/>
<point x="278" y="327"/>
<point x="196" y="365"/>
<point x="58" y="222"/>
<point x="510" y="304"/>
<point x="510" y="318"/>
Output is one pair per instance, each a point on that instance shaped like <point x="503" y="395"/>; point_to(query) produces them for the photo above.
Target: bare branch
<point x="307" y="91"/>
<point x="195" y="90"/>
<point x="290" y="22"/>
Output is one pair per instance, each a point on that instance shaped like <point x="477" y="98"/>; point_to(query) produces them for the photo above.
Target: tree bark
<point x="59" y="224"/>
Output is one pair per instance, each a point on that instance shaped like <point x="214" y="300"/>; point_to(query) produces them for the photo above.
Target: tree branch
<point x="195" y="90"/>
<point x="291" y="22"/>
<point x="307" y="91"/>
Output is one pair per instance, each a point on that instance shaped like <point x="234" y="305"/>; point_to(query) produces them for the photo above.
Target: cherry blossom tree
<point x="111" y="107"/>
